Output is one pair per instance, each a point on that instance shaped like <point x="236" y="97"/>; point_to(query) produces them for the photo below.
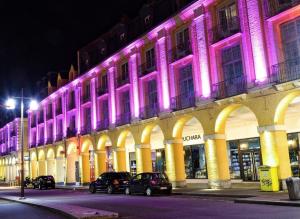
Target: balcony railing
<point x="222" y="31"/>
<point x="41" y="142"/>
<point x="123" y="119"/>
<point x="183" y="101"/>
<point x="58" y="110"/>
<point x="71" y="132"/>
<point x="103" y="125"/>
<point x="180" y="51"/>
<point x="13" y="133"/>
<point x="11" y="149"/>
<point x="102" y="90"/>
<point x="86" y="98"/>
<point x="144" y="70"/>
<point x="230" y="87"/>
<point x="122" y="80"/>
<point x="149" y="111"/>
<point x="33" y="124"/>
<point x="49" y="140"/>
<point x="71" y="105"/>
<point x="40" y="120"/>
<point x="286" y="71"/>
<point x="49" y="115"/>
<point x="58" y="137"/>
<point x="274" y="7"/>
<point x="86" y="130"/>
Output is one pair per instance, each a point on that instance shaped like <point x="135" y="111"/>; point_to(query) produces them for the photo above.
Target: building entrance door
<point x="250" y="161"/>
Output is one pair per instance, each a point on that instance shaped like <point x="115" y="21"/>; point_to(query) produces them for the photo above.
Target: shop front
<point x="194" y="157"/>
<point x="109" y="158"/>
<point x="158" y="160"/>
<point x="244" y="159"/>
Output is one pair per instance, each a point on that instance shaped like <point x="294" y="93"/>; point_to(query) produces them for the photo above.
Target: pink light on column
<point x="78" y="108"/>
<point x="112" y="97"/>
<point x="94" y="99"/>
<point x="202" y="54"/>
<point x="256" y="35"/>
<point x="134" y="85"/>
<point x="164" y="72"/>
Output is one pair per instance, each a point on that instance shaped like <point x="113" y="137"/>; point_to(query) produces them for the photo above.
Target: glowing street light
<point x="11" y="104"/>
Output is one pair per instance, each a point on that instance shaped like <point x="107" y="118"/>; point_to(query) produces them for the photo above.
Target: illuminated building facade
<point x="210" y="92"/>
<point x="10" y="151"/>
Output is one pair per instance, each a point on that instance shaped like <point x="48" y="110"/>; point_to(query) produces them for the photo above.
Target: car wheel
<point x="109" y="189"/>
<point x="92" y="189"/>
<point x="53" y="187"/>
<point x="127" y="191"/>
<point x="148" y="191"/>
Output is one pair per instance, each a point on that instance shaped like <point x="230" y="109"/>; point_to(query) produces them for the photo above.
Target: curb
<point x="267" y="202"/>
<point x="42" y="206"/>
<point x="213" y="195"/>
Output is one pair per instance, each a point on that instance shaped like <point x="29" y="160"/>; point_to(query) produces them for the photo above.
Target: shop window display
<point x="293" y="143"/>
<point x="195" y="163"/>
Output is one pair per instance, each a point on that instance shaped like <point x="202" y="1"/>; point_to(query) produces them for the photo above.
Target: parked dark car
<point x="110" y="182"/>
<point x="149" y="184"/>
<point x="44" y="182"/>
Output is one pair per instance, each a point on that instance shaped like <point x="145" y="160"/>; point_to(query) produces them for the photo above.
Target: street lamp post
<point x="11" y="104"/>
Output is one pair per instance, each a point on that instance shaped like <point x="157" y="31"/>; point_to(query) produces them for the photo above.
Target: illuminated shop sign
<point x="192" y="139"/>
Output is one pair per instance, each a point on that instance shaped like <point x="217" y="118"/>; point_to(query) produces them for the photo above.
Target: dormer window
<point x="147" y="20"/>
<point x="122" y="36"/>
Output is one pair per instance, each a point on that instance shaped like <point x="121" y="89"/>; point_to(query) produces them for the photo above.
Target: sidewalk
<point x="70" y="211"/>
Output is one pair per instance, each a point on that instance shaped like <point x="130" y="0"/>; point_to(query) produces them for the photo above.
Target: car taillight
<point x="153" y="182"/>
<point x="115" y="182"/>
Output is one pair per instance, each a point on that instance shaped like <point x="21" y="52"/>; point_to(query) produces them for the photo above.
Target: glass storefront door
<point x="293" y="144"/>
<point x="132" y="163"/>
<point x="158" y="160"/>
<point x="249" y="165"/>
<point x="244" y="159"/>
<point x="195" y="163"/>
<point x="109" y="159"/>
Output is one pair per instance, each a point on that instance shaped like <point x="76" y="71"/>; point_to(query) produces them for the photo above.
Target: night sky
<point x="38" y="37"/>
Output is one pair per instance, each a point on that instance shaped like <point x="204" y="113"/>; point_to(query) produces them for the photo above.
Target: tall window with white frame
<point x="182" y="44"/>
<point x="150" y="60"/>
<point x="235" y="81"/>
<point x="290" y="36"/>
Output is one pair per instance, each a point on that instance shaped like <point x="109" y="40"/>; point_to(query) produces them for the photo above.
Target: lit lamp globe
<point x="33" y="106"/>
<point x="10" y="104"/>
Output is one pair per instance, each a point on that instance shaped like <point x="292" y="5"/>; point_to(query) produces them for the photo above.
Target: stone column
<point x="175" y="162"/>
<point x="217" y="161"/>
<point x="119" y="159"/>
<point x="275" y="151"/>
<point x="143" y="158"/>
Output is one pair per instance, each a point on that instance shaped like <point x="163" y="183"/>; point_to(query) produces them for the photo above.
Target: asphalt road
<point x="15" y="210"/>
<point x="162" y="207"/>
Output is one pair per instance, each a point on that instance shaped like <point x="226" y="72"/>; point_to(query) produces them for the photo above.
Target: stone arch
<point x="87" y="161"/>
<point x="236" y="133"/>
<point x="125" y="152"/>
<point x="33" y="164"/>
<point x="60" y="165"/>
<point x="60" y="151"/>
<point x="104" y="154"/>
<point x="121" y="142"/>
<point x="72" y="160"/>
<point x="282" y="107"/>
<point x="42" y="162"/>
<point x="51" y="163"/>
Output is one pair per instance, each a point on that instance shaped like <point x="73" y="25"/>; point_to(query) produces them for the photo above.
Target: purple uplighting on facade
<point x="188" y="47"/>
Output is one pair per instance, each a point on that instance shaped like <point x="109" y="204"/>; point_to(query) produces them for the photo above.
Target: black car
<point x="44" y="182"/>
<point x="149" y="183"/>
<point x="110" y="182"/>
